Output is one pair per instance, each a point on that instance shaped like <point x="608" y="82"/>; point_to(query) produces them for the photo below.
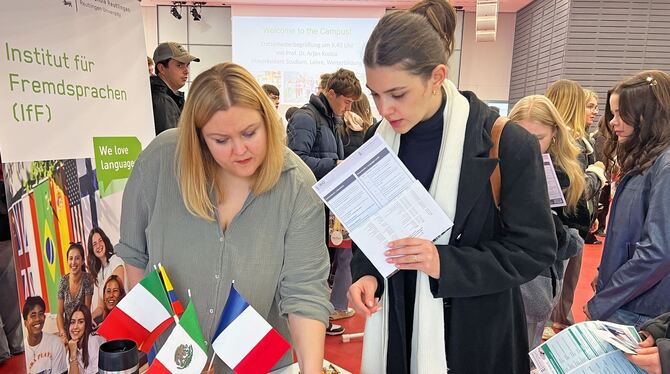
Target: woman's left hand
<point x="414" y="254"/>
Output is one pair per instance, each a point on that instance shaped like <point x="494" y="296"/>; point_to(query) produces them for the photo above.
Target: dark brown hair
<point x="442" y="17"/>
<point x="644" y="104"/>
<point x="344" y="82"/>
<point x="94" y="263"/>
<point x="88" y="328"/>
<point x="408" y="40"/>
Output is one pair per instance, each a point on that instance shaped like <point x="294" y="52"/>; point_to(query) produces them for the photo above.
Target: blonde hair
<point x="362" y="108"/>
<point x="570" y="100"/>
<point x="562" y="149"/>
<point x="218" y="89"/>
<point x="590" y="94"/>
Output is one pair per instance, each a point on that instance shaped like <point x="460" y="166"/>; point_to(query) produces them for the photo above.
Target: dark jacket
<point x="314" y="136"/>
<point x="580" y="219"/>
<point x="490" y="253"/>
<point x="634" y="271"/>
<point x="167" y="104"/>
<point x="658" y="328"/>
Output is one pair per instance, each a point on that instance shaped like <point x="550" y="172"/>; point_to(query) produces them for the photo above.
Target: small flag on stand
<point x="184" y="350"/>
<point x="142" y="315"/>
<point x="176" y="305"/>
<point x="244" y="340"/>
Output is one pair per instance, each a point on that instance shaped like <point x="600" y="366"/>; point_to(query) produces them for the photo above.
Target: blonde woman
<point x="569" y="99"/>
<point x="539" y="117"/>
<point x="221" y="198"/>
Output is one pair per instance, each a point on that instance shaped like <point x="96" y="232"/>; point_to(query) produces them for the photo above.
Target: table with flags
<point x="244" y="340"/>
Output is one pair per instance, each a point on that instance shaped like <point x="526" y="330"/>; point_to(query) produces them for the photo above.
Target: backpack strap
<point x="309" y="108"/>
<point x="496" y="133"/>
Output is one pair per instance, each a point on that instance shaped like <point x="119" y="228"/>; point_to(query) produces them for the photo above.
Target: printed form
<point x="378" y="200"/>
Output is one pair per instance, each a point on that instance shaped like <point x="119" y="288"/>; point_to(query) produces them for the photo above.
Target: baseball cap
<point x="174" y="51"/>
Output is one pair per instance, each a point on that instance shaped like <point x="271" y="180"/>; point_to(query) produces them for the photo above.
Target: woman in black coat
<point x="455" y="303"/>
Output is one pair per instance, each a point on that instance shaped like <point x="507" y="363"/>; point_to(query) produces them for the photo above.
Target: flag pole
<point x="211" y="362"/>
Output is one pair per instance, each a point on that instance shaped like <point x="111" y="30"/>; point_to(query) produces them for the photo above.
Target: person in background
<point x="74" y="289"/>
<point x="323" y="82"/>
<point x="653" y="354"/>
<point x="172" y="68"/>
<point x="226" y="181"/>
<point x="313" y="130"/>
<point x="591" y="113"/>
<point x="45" y="353"/>
<point x="289" y="113"/>
<point x="82" y="345"/>
<point x="273" y="94"/>
<point x="11" y="339"/>
<point x="569" y="99"/>
<point x="539" y="117"/>
<point x="633" y="281"/>
<point x="102" y="264"/>
<point x="313" y="134"/>
<point x="150" y="64"/>
<point x="454" y="304"/>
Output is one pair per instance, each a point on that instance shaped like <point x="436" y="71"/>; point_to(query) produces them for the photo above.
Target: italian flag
<point x="142" y="315"/>
<point x="185" y="350"/>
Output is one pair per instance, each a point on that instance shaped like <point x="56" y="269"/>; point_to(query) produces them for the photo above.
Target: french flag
<point x="244" y="340"/>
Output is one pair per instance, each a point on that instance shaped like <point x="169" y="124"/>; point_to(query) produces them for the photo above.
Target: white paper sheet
<point x="378" y="200"/>
<point x="556" y="198"/>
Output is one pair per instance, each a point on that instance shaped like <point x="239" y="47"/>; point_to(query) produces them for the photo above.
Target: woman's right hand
<point x="72" y="347"/>
<point x="362" y="296"/>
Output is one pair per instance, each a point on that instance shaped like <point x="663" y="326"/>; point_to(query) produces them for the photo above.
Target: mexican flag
<point x="142" y="315"/>
<point x="185" y="350"/>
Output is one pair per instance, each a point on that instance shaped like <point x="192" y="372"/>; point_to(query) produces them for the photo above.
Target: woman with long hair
<point x="75" y="288"/>
<point x="82" y="345"/>
<point x="113" y="292"/>
<point x="569" y="99"/>
<point x="222" y="198"/>
<point x="103" y="263"/>
<point x="633" y="281"/>
<point x="539" y="117"/>
<point x="454" y="304"/>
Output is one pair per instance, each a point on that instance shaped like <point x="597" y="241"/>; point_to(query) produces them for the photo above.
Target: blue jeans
<point x="624" y="317"/>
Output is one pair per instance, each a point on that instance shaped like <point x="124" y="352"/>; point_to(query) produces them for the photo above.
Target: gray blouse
<point x="274" y="248"/>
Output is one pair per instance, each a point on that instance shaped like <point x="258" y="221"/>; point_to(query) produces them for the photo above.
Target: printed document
<point x="378" y="200"/>
<point x="556" y="198"/>
<point x="587" y="347"/>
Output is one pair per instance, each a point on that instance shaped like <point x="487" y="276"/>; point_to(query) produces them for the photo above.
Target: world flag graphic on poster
<point x="73" y="193"/>
<point x="43" y="219"/>
<point x="61" y="223"/>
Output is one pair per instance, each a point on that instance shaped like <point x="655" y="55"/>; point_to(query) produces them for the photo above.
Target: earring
<point x="434" y="92"/>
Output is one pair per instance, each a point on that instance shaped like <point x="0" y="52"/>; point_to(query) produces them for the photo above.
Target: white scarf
<point x="428" y="349"/>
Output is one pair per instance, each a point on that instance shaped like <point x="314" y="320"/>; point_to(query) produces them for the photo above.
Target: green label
<point x="114" y="160"/>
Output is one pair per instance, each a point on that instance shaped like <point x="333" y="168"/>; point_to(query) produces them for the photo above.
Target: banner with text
<point x="75" y="111"/>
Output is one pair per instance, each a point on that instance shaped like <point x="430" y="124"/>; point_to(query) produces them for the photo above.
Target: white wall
<point x="150" y="19"/>
<point x="486" y="66"/>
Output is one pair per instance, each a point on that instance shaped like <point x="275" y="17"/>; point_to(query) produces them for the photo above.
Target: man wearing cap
<point x="172" y="65"/>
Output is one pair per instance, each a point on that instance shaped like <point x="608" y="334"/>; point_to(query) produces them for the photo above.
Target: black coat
<point x="314" y="136"/>
<point x="490" y="253"/>
<point x="167" y="105"/>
